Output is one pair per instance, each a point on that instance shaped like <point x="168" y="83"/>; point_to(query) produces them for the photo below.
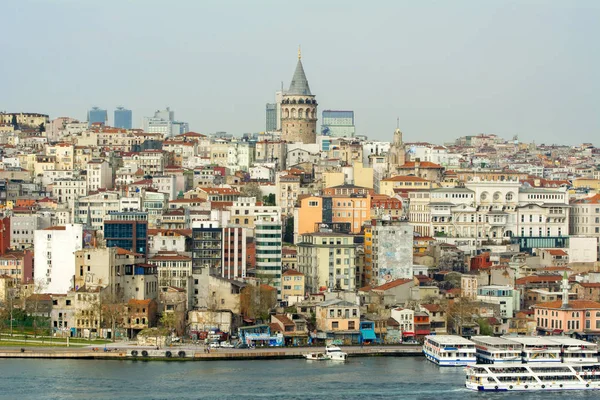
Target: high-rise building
<point x="164" y="123"/>
<point x="127" y="230"/>
<point x="122" y="118"/>
<point x="268" y="251"/>
<point x="271" y="117"/>
<point x="299" y="109"/>
<point x="97" y="115"/>
<point x="338" y="123"/>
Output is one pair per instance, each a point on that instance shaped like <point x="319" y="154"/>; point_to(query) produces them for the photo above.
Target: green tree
<point x="484" y="327"/>
<point x="288" y="232"/>
<point x="14" y="122"/>
<point x="269" y="200"/>
<point x="42" y="128"/>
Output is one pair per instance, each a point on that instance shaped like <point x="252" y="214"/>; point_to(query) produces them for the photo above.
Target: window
<point x="335" y="325"/>
<point x="351" y="325"/>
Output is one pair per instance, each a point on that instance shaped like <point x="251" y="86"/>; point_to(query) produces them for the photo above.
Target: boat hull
<point x="530" y="387"/>
<point x="457" y="362"/>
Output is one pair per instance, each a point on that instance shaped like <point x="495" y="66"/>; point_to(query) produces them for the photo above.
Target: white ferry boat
<point x="533" y="377"/>
<point x="496" y="350"/>
<point x="335" y="353"/>
<point x="536" y="349"/>
<point x="576" y="351"/>
<point x="449" y="350"/>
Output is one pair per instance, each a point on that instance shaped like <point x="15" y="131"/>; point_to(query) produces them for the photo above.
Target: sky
<point x="444" y="68"/>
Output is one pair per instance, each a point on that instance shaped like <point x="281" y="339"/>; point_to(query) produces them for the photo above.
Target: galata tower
<point x="299" y="109"/>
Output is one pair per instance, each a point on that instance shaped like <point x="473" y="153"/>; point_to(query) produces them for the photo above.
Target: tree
<point x="269" y="200"/>
<point x="484" y="327"/>
<point x="460" y="312"/>
<point x="14" y="122"/>
<point x="42" y="128"/>
<point x="288" y="233"/>
<point x="257" y="300"/>
<point x="113" y="311"/>
<point x="168" y="320"/>
<point x="37" y="303"/>
<point x="252" y="189"/>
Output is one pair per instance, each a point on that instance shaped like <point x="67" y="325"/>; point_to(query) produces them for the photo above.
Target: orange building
<point x="346" y="213"/>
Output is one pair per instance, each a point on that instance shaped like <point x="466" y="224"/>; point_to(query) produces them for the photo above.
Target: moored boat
<point x="317" y="357"/>
<point x="335" y="353"/>
<point x="533" y="377"/>
<point x="449" y="350"/>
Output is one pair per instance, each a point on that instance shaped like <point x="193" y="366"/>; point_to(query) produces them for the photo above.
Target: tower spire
<point x="299" y="53"/>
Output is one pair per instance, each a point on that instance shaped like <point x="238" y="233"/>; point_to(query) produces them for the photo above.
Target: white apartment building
<point x="585" y="218"/>
<point x="67" y="190"/>
<point x="54" y="264"/>
<point x="23" y="227"/>
<point x="99" y="175"/>
<point x="95" y="209"/>
<point x="165" y="184"/>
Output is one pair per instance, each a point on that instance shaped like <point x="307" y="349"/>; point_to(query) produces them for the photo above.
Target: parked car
<point x="214" y="345"/>
<point x="244" y="346"/>
<point x="227" y="345"/>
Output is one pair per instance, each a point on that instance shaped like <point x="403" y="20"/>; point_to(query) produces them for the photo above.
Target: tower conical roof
<point x="299" y="83"/>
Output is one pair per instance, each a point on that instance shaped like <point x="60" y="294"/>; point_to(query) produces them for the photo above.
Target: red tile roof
<point x="556" y="252"/>
<point x="393" y="284"/>
<point x="292" y="272"/>
<point x="573" y="305"/>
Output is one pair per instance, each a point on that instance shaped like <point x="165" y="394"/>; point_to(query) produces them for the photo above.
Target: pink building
<point x="581" y="316"/>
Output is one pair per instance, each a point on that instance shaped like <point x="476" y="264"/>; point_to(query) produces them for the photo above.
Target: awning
<point x="408" y="334"/>
<point x="557" y="331"/>
<point x="423" y="332"/>
<point x="368" y="335"/>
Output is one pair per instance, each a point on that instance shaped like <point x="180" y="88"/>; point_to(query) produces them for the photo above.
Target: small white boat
<point x="317" y="356"/>
<point x="335" y="353"/>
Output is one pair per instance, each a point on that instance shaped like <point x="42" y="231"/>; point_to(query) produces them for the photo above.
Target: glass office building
<point x="338" y="123"/>
<point x="97" y="115"/>
<point x="271" y="117"/>
<point x="127" y="230"/>
<point x="122" y="118"/>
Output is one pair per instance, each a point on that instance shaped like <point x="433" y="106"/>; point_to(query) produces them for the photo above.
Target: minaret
<point x="299" y="109"/>
<point x="565" y="291"/>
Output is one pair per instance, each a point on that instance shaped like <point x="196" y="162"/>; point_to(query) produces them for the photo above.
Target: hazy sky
<point x="445" y="68"/>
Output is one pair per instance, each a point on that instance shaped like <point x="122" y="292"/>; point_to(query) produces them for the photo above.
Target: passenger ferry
<point x="576" y="351"/>
<point x="496" y="350"/>
<point x="533" y="377"/>
<point x="449" y="350"/>
<point x="537" y="349"/>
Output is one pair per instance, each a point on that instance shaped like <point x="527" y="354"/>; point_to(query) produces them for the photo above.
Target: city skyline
<point x="445" y="71"/>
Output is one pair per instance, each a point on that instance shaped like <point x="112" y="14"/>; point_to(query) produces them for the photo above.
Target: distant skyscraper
<point x="271" y="114"/>
<point x="122" y="118"/>
<point x="338" y="123"/>
<point x="164" y="123"/>
<point x="97" y="115"/>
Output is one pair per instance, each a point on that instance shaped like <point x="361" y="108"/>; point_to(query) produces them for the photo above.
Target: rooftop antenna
<point x="397" y="122"/>
<point x="299" y="53"/>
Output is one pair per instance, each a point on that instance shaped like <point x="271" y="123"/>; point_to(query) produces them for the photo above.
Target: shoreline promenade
<point x="198" y="353"/>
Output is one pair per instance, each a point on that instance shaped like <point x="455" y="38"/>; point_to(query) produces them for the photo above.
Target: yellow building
<point x="363" y="176"/>
<point x="293" y="284"/>
<point x="327" y="261"/>
<point x="587" y="183"/>
<point x="337" y="316"/>
<point x="399" y="184"/>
